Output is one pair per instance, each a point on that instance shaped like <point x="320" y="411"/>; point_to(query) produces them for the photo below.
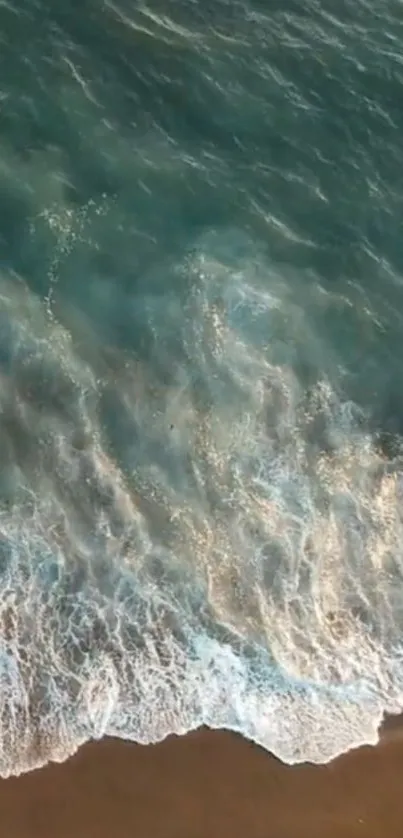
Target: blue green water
<point x="201" y="413"/>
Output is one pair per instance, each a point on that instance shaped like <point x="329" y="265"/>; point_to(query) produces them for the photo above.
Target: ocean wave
<point x="200" y="530"/>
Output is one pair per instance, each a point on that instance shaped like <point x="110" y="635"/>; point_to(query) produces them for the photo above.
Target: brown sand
<point x="207" y="785"/>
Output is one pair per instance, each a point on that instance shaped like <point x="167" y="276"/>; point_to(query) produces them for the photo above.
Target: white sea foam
<point x="204" y="534"/>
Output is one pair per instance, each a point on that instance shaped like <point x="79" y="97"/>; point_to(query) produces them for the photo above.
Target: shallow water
<point x="201" y="303"/>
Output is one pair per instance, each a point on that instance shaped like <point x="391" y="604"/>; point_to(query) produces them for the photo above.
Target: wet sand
<point x="207" y="785"/>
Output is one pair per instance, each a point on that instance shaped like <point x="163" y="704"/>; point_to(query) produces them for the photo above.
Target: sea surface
<point x="201" y="366"/>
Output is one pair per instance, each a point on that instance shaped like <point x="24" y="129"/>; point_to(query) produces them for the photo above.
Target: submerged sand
<point x="208" y="784"/>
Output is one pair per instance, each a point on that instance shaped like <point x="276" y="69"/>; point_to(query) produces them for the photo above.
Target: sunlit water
<point x="201" y="310"/>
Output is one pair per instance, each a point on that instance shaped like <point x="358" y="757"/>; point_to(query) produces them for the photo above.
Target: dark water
<point x="201" y="412"/>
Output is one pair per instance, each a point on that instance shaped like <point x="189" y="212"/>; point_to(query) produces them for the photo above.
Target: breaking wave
<point x="203" y="531"/>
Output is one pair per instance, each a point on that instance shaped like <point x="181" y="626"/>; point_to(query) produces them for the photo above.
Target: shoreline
<point x="208" y="784"/>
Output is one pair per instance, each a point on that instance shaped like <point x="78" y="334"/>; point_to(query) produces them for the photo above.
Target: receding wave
<point x="202" y="532"/>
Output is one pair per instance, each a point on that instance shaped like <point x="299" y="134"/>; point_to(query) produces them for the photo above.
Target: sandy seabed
<point x="208" y="784"/>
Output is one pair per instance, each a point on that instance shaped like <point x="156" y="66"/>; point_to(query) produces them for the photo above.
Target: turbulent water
<point x="201" y="406"/>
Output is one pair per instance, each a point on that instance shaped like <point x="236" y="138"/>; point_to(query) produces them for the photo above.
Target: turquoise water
<point x="201" y="416"/>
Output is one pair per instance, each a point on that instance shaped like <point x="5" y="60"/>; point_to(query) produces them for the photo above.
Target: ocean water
<point x="201" y="405"/>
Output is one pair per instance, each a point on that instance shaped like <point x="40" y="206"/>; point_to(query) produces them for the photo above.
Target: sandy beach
<point x="207" y="785"/>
